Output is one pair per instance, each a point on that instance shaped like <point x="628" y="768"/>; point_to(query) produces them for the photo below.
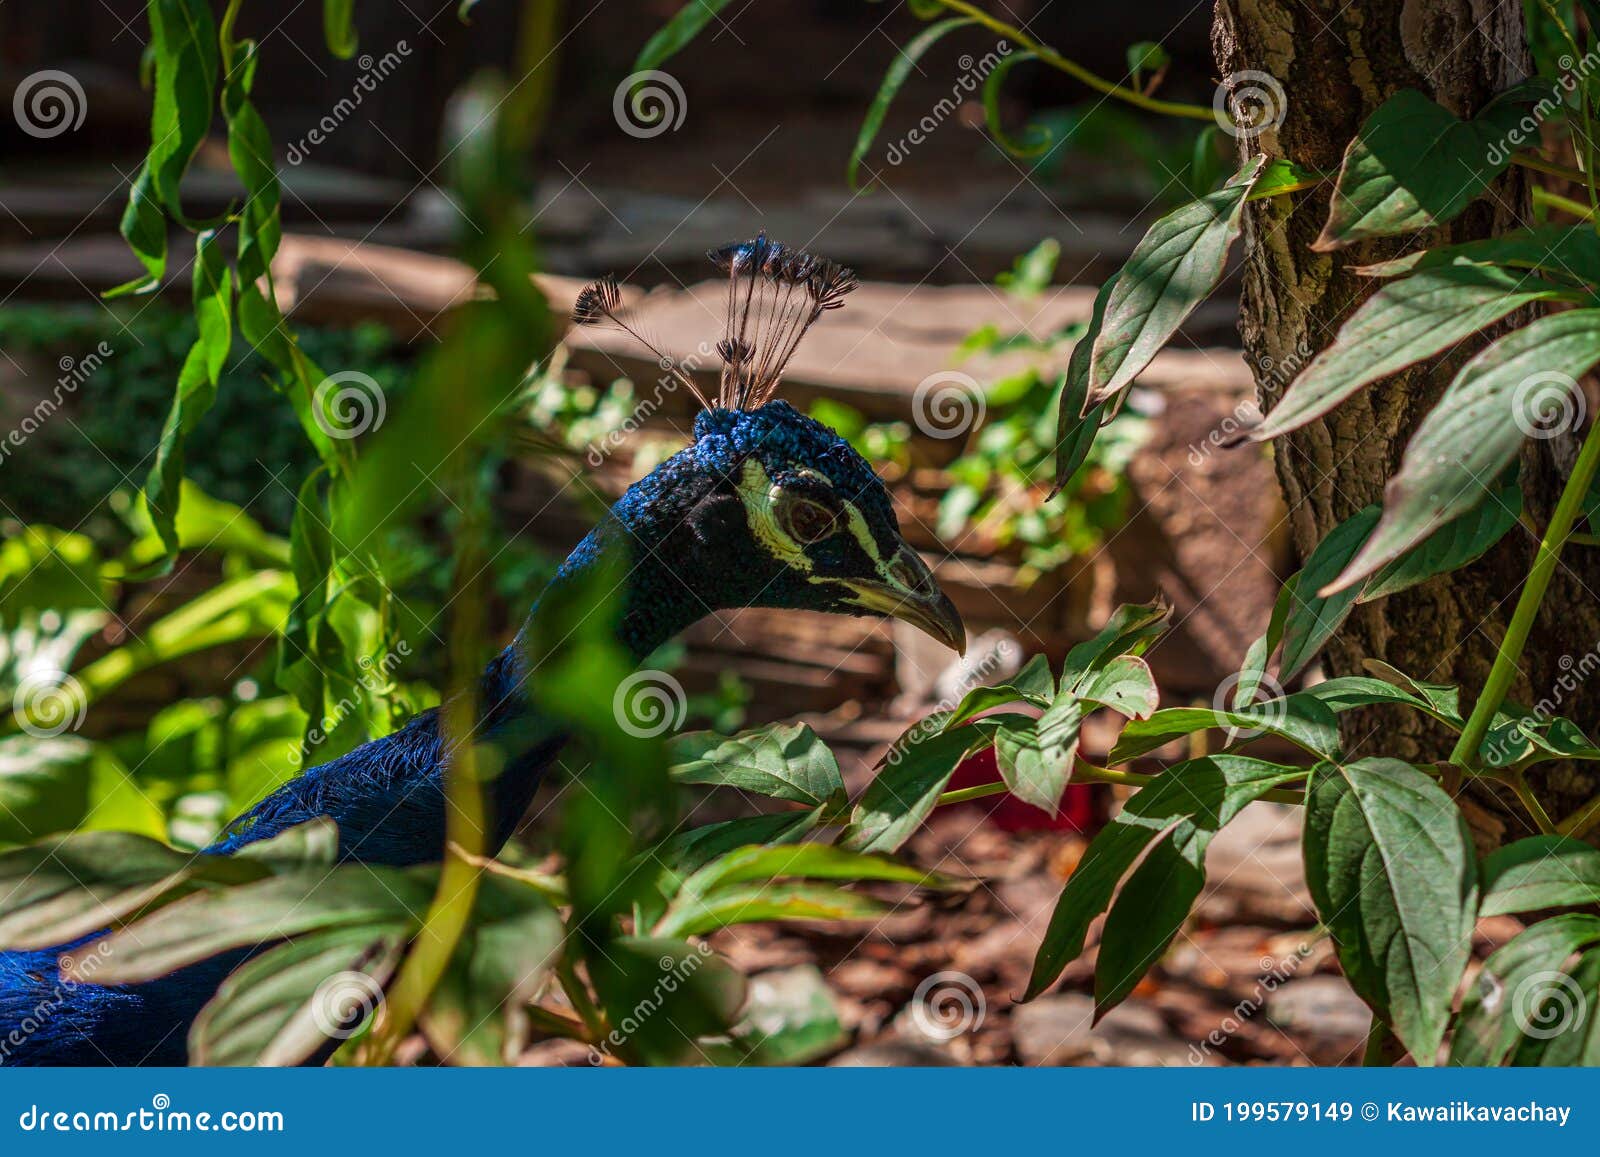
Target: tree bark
<point x="1337" y="62"/>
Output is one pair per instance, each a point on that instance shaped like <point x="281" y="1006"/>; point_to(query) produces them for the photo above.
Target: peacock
<point x="767" y="507"/>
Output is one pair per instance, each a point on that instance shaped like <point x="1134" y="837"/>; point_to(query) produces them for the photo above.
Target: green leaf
<point x="1400" y="325"/>
<point x="1130" y="629"/>
<point x="1035" y="139"/>
<point x="44" y="781"/>
<point x="1175" y="267"/>
<point x="695" y="915"/>
<point x="1300" y="718"/>
<point x="1191" y="801"/>
<point x="1444" y="699"/>
<point x="338" y="27"/>
<point x="1540" y="872"/>
<point x="197" y="385"/>
<point x="1125" y="684"/>
<point x="661" y="995"/>
<point x="1348" y="692"/>
<point x="1504" y="393"/>
<point x="893" y="77"/>
<point x="784" y="762"/>
<point x="1313" y="617"/>
<point x="791" y="1018"/>
<point x="1571" y="250"/>
<point x="1036" y="761"/>
<point x="1451" y="546"/>
<point x="1390" y="867"/>
<point x="475" y="1016"/>
<point x="1146" y="57"/>
<point x="1253" y="669"/>
<point x="1415" y="164"/>
<point x="279" y="1008"/>
<point x="905" y="790"/>
<point x="673" y="36"/>
<point x="811" y="861"/>
<point x="1562" y="1025"/>
<point x="67" y="887"/>
<point x="202" y="925"/>
<point x="1032" y="684"/>
<point x="1501" y="1002"/>
<point x="1077" y="422"/>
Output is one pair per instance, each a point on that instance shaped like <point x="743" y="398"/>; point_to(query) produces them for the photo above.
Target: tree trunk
<point x="1336" y="63"/>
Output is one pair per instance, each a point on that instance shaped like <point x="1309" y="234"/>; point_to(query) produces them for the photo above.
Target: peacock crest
<point x="775" y="294"/>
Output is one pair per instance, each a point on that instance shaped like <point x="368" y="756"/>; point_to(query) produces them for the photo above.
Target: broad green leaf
<point x="1125" y="684"/>
<point x="281" y="1007"/>
<point x="661" y="995"/>
<point x="1313" y="617"/>
<point x="1508" y="391"/>
<point x="1077" y="422"/>
<point x="67" y="887"/>
<point x="338" y="27"/>
<point x="1130" y="629"/>
<point x="694" y="915"/>
<point x="1562" y="1025"/>
<point x="1300" y="718"/>
<point x="810" y="861"/>
<point x="44" y="780"/>
<point x="1415" y="164"/>
<point x="1032" y="684"/>
<point x="1402" y="324"/>
<point x="1573" y="250"/>
<point x="791" y="1018"/>
<point x="1540" y="872"/>
<point x="1175" y="267"/>
<point x="1444" y="699"/>
<point x="1253" y="670"/>
<point x="905" y="59"/>
<point x="202" y="925"/>
<point x="306" y="845"/>
<point x="475" y="1016"/>
<point x="1451" y="546"/>
<point x="906" y="788"/>
<point x="1500" y="1004"/>
<point x="673" y="36"/>
<point x="1191" y="801"/>
<point x="197" y="385"/>
<point x="1390" y="867"/>
<point x="1347" y="692"/>
<point x="784" y="762"/>
<point x="1036" y="761"/>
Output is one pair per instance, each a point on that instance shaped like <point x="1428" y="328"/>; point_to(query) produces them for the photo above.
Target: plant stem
<point x="1566" y="204"/>
<point x="1541" y="818"/>
<point x="451" y="908"/>
<point x="1550" y="168"/>
<point x="1088" y="773"/>
<point x="1075" y="70"/>
<point x="1504" y="671"/>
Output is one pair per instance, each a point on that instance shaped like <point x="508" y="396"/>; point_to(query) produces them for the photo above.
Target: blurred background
<point x="979" y="271"/>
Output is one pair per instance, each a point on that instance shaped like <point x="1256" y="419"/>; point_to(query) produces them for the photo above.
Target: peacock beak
<point x="905" y="589"/>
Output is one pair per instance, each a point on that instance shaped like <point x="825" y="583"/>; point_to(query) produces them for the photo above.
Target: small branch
<point x="1088" y="773"/>
<point x="1519" y="784"/>
<point x="1579" y="823"/>
<point x="1543" y="196"/>
<point x="1075" y="70"/>
<point x="1550" y="168"/>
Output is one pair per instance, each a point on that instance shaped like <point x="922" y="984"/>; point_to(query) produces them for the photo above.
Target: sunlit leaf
<point x="905" y="59"/>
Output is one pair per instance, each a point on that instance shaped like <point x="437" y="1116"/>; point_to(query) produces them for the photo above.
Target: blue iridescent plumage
<point x="690" y="531"/>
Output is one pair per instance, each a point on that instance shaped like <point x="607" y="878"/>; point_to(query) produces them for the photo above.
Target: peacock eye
<point x="804" y="520"/>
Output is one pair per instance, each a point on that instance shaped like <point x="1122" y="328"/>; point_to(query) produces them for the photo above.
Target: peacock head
<point x="767" y="507"/>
